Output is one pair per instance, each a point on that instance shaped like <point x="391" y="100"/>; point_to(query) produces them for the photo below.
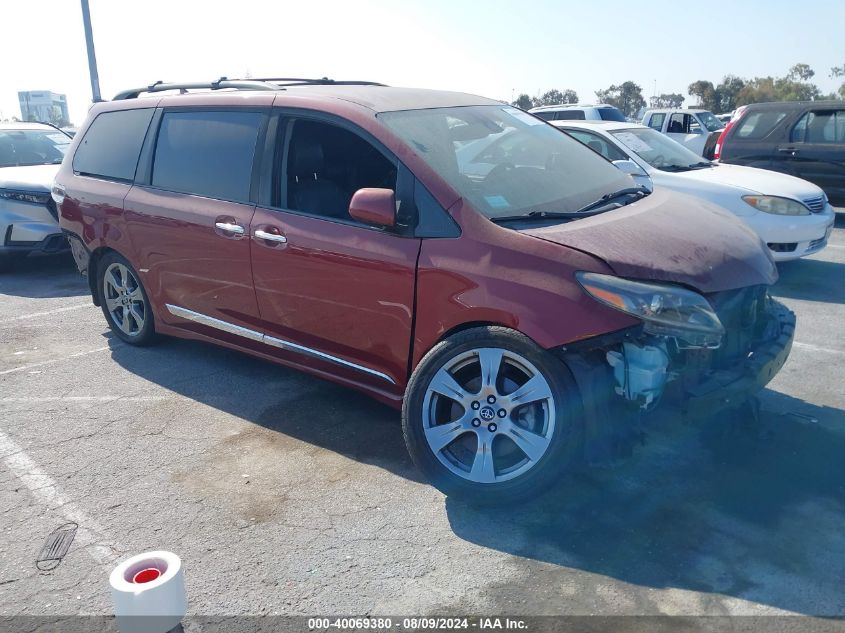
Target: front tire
<point x="124" y="301"/>
<point x="9" y="261"/>
<point x="491" y="417"/>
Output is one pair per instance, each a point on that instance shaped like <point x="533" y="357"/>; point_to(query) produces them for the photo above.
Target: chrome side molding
<point x="225" y="326"/>
<point x="255" y="335"/>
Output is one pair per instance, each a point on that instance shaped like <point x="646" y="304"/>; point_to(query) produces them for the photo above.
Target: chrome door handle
<point x="228" y="227"/>
<point x="270" y="237"/>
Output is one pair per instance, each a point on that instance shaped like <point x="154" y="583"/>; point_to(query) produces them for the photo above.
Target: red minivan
<point x="514" y="293"/>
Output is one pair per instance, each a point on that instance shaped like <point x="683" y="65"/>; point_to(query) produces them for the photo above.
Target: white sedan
<point x="792" y="216"/>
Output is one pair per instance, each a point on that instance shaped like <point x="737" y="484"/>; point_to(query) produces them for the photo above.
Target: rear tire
<point x="491" y="417"/>
<point x="124" y="300"/>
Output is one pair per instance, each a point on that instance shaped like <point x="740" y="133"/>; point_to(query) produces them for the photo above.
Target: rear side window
<point x="206" y="153"/>
<point x="757" y="125"/>
<point x="111" y="146"/>
<point x="826" y="126"/>
<point x="545" y="115"/>
<point x="570" y="115"/>
<point x="611" y="114"/>
<point x="656" y="121"/>
<point x="677" y="124"/>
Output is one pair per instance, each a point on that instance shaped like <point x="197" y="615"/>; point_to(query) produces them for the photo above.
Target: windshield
<point x="658" y="150"/>
<point x="611" y="114"/>
<point x="709" y="120"/>
<point x="32" y="147"/>
<point x="506" y="162"/>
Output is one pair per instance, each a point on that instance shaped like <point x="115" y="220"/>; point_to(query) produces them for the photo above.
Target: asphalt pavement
<point x="286" y="494"/>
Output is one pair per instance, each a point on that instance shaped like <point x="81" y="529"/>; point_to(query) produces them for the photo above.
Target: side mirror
<point x="374" y="206"/>
<point x="630" y="167"/>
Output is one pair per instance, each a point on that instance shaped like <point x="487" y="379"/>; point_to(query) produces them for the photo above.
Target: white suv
<point x="30" y="155"/>
<point x="579" y="112"/>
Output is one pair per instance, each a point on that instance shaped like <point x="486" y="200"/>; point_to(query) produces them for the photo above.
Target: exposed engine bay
<point x="626" y="375"/>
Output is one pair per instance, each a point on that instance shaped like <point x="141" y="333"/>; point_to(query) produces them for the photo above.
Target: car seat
<point x="309" y="190"/>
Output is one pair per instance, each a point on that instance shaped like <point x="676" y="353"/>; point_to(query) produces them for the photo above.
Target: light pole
<point x="92" y="58"/>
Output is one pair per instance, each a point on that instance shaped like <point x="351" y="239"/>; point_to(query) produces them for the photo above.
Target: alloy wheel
<point x="124" y="299"/>
<point x="488" y="415"/>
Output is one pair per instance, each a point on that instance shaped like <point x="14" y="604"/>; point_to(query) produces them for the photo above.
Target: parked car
<point x="30" y="154"/>
<point x="691" y="128"/>
<point x="514" y="316"/>
<point x="578" y="112"/>
<point x="801" y="138"/>
<point x="725" y="117"/>
<point x="792" y="216"/>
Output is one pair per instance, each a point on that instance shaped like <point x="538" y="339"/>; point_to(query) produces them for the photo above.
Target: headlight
<point x="665" y="309"/>
<point x="22" y="196"/>
<point x="776" y="206"/>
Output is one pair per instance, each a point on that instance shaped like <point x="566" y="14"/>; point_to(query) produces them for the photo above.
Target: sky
<point x="495" y="48"/>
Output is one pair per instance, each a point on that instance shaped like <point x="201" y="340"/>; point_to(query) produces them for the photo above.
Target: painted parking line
<point x="58" y="360"/>
<point x="35" y="315"/>
<point x="817" y="348"/>
<point x="43" y="488"/>
<point x="37" y="399"/>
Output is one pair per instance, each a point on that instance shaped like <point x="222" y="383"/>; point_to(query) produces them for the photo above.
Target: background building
<point x="43" y="105"/>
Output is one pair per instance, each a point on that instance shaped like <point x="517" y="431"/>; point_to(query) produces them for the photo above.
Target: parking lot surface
<point x="285" y="494"/>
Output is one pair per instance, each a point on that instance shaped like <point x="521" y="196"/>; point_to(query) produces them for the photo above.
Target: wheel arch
<point x="93" y="269"/>
<point x="421" y="350"/>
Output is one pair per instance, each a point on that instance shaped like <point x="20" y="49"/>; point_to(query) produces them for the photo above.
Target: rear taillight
<point x="717" y="151"/>
<point x="720" y="143"/>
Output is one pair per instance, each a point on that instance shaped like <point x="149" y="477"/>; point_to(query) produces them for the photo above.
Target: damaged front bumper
<point x="624" y="376"/>
<point x="723" y="388"/>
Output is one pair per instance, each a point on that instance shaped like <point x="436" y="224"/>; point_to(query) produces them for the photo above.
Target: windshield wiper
<point x="700" y="165"/>
<point x="640" y="192"/>
<point x="594" y="208"/>
<point x="538" y="215"/>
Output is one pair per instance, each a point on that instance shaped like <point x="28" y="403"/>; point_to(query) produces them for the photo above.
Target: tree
<point x="555" y="97"/>
<point x="727" y="92"/>
<point x="800" y="72"/>
<point x="523" y="102"/>
<point x="627" y="96"/>
<point x="838" y="71"/>
<point x="672" y="100"/>
<point x="705" y="92"/>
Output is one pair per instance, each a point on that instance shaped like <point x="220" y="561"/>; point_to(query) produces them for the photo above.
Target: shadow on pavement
<point x="709" y="509"/>
<point x="44" y="276"/>
<point x="713" y="509"/>
<point x="279" y="399"/>
<point x="811" y="280"/>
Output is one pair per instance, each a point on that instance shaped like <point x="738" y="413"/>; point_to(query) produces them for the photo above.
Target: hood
<point x="754" y="180"/>
<point x="671" y="237"/>
<point x="35" y="178"/>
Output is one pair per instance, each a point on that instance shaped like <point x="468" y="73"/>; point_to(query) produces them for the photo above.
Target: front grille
<point x="816" y="204"/>
<point x="782" y="247"/>
<point x="51" y="207"/>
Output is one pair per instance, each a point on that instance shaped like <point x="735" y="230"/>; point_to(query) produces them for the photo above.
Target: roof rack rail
<point x="220" y="84"/>
<point x="275" y="83"/>
<point x="324" y="81"/>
